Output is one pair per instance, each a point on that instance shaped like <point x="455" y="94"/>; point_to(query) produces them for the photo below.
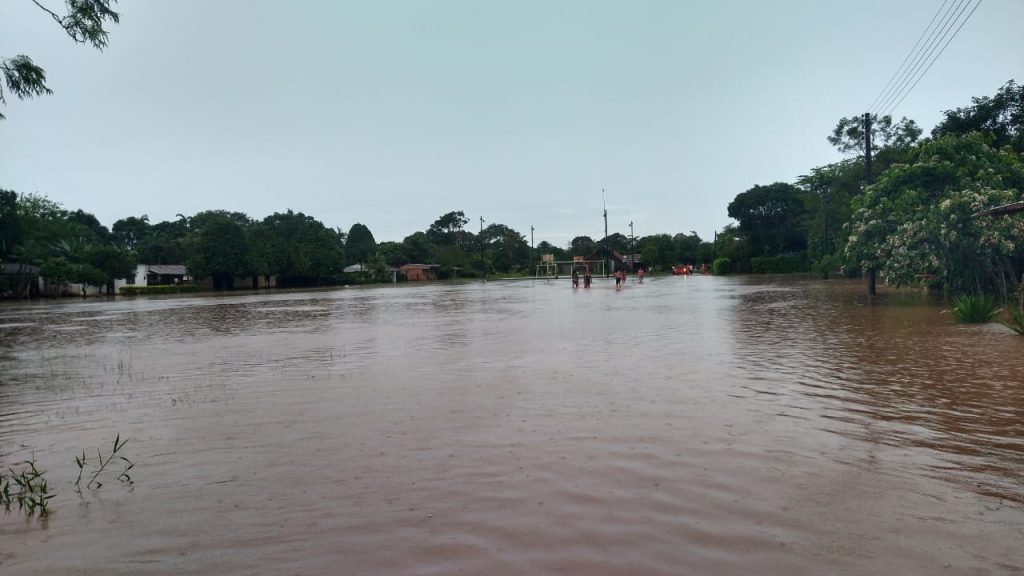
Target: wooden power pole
<point x="868" y="180"/>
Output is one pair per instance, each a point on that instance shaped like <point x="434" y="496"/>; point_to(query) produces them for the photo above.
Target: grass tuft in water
<point x="27" y="488"/>
<point x="973" y="309"/>
<point x="102" y="463"/>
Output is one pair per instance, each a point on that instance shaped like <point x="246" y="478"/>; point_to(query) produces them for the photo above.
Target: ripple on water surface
<point x="693" y="425"/>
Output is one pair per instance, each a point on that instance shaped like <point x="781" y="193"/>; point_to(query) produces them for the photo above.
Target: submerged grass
<point x="973" y="309"/>
<point x="27" y="488"/>
<point x="101" y="465"/>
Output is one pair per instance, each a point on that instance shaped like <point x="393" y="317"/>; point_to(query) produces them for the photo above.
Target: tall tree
<point x="129" y="232"/>
<point x="419" y="249"/>
<point x="221" y="249"/>
<point x="444" y="230"/>
<point x="1000" y="116"/>
<point x="360" y="247"/>
<point x="848" y="135"/>
<point x="771" y="217"/>
<point x="583" y="246"/>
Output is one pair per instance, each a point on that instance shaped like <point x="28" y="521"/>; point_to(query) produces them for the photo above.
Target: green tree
<point x="58" y="272"/>
<point x="445" y="230"/>
<point x="419" y="249"/>
<point x="658" y="250"/>
<point x="85" y="22"/>
<point x="165" y="243"/>
<point x="111" y="262"/>
<point x="917" y="218"/>
<point x="848" y="134"/>
<point x="771" y="217"/>
<point x="360" y="246"/>
<point x="546" y="247"/>
<point x="129" y="232"/>
<point x="616" y="241"/>
<point x="829" y="191"/>
<point x="506" y="249"/>
<point x="687" y="248"/>
<point x="221" y="249"/>
<point x="306" y="251"/>
<point x="583" y="246"/>
<point x="392" y="253"/>
<point x="1000" y="116"/>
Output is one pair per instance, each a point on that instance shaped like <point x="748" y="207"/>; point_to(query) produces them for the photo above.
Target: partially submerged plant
<point x="102" y="464"/>
<point x="26" y="487"/>
<point x="1016" y="322"/>
<point x="973" y="309"/>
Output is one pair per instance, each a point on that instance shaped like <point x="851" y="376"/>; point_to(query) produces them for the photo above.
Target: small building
<point x="155" y="274"/>
<point x="420" y="272"/>
<point x="19" y="280"/>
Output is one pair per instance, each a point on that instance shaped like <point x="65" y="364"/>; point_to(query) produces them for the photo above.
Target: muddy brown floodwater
<point x="697" y="425"/>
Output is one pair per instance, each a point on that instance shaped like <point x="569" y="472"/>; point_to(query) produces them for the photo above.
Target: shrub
<point x="158" y="289"/>
<point x="721" y="266"/>
<point x="973" y="309"/>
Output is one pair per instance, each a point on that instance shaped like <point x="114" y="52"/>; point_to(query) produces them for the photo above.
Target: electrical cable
<point x="907" y="93"/>
<point x="909" y="54"/>
<point x="934" y="39"/>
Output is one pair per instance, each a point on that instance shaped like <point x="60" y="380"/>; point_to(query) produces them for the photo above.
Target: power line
<point x="934" y="39"/>
<point x="907" y="93"/>
<point x="909" y="54"/>
<point x="924" y="51"/>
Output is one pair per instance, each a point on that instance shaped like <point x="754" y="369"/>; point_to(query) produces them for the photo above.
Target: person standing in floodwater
<point x="640" y="275"/>
<point x="618" y="279"/>
<point x="575" y="278"/>
<point x="586" y="278"/>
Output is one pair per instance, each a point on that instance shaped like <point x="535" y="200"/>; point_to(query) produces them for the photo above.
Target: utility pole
<point x="483" y="270"/>
<point x="532" y="271"/>
<point x="632" y="250"/>
<point x="868" y="181"/>
<point x="604" y="204"/>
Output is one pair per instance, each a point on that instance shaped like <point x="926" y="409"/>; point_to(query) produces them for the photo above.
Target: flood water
<point x="703" y="425"/>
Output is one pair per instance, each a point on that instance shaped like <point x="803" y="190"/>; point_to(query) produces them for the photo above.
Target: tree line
<point x="74" y="247"/>
<point x="913" y="219"/>
<point x="914" y="222"/>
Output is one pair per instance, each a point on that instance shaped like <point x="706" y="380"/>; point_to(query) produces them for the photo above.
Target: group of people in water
<point x="619" y="274"/>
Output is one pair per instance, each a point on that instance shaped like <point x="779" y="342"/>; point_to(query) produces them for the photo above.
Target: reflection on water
<point x="686" y="426"/>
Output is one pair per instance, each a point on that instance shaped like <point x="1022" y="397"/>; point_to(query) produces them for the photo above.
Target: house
<point x="155" y="274"/>
<point x="420" y="272"/>
<point x="254" y="282"/>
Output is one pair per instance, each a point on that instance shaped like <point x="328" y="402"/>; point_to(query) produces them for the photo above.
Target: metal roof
<point x="167" y="269"/>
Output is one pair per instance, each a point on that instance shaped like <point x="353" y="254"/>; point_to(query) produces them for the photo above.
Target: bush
<point x="826" y="265"/>
<point x="778" y="264"/>
<point x="158" y="289"/>
<point x="973" y="309"/>
<point x="721" y="266"/>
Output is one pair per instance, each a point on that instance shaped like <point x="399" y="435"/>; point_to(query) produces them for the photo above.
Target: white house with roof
<point x="155" y="274"/>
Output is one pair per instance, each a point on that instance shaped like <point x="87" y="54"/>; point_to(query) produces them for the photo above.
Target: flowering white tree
<point x="918" y="218"/>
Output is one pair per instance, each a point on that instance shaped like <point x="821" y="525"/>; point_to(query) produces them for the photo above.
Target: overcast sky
<point x="393" y="113"/>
